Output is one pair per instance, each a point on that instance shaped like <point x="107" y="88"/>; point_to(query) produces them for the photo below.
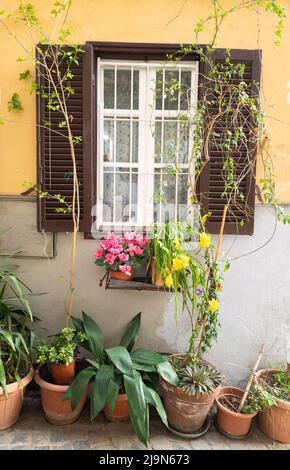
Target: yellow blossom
<point x="176" y="243"/>
<point x="180" y="262"/>
<point x="213" y="305"/>
<point x="169" y="281"/>
<point x="204" y="240"/>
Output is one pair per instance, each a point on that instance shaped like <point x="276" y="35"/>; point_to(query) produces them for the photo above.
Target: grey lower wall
<point x="255" y="302"/>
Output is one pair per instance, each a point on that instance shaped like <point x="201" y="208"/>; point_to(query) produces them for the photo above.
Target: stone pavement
<point x="32" y="431"/>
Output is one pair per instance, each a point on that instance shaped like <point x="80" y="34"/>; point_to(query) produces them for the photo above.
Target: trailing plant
<point x="258" y="399"/>
<point x="136" y="372"/>
<point x="61" y="349"/>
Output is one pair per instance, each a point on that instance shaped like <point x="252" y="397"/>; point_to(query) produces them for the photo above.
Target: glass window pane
<point x="135" y="141"/>
<point x="135" y="89"/>
<point x="108" y="197"/>
<point x="123" y="141"/>
<point x="122" y="190"/>
<point x="157" y="141"/>
<point x="124" y="89"/>
<point x="171" y="90"/>
<point x="158" y="89"/>
<point x="182" y="197"/>
<point x="168" y="207"/>
<point x="108" y="140"/>
<point x="109" y="87"/>
<point x="134" y="197"/>
<point x="169" y="141"/>
<point x="185" y="88"/>
<point x="183" y="142"/>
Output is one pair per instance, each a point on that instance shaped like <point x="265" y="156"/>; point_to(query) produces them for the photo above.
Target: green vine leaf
<point x="14" y="104"/>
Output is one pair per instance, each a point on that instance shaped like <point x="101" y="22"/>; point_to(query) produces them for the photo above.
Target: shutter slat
<point x="211" y="182"/>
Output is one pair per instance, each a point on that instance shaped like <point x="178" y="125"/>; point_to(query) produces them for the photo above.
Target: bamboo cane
<point x="221" y="232"/>
<point x="247" y="389"/>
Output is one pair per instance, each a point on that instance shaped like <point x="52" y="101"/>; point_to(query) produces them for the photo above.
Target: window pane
<point x="122" y="190"/>
<point x="158" y="89"/>
<point x="123" y="141"/>
<point x="185" y="88"/>
<point x="169" y="141"/>
<point x="124" y="89"/>
<point x="183" y="142"/>
<point x="157" y="141"/>
<point x="109" y="86"/>
<point x="134" y="196"/>
<point x="135" y="141"/>
<point x="108" y="197"/>
<point x="108" y="140"/>
<point x="171" y="90"/>
<point x="182" y="196"/>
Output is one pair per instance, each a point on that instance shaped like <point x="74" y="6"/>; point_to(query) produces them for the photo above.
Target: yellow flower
<point x="181" y="262"/>
<point x="213" y="305"/>
<point x="176" y="243"/>
<point x="204" y="240"/>
<point x="169" y="281"/>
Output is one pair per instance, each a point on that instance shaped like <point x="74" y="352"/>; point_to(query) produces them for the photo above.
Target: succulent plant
<point x="199" y="379"/>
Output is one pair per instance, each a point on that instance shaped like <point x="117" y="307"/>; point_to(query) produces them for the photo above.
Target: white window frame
<point x="147" y="114"/>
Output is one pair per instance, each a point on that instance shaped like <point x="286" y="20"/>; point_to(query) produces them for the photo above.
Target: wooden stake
<point x="250" y="381"/>
<point x="221" y="232"/>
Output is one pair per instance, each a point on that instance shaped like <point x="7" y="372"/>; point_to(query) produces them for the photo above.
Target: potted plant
<point x="275" y="421"/>
<point x="234" y="420"/>
<point x="16" y="338"/>
<point x="122" y="381"/>
<point x="57" y="359"/>
<point x="121" y="255"/>
<point x="197" y="280"/>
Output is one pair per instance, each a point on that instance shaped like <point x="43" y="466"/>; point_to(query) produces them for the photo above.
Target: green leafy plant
<point x="120" y="368"/>
<point x="197" y="379"/>
<point x="16" y="336"/>
<point x="61" y="349"/>
<point x="257" y="400"/>
<point x="14" y="104"/>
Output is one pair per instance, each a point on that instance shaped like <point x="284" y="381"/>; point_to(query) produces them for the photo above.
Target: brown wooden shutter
<point x="211" y="183"/>
<point x="53" y="152"/>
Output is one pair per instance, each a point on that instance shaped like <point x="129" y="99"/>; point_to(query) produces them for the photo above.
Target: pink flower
<point x="116" y="249"/>
<point x="99" y="254"/>
<point x="138" y="250"/>
<point x="123" y="257"/>
<point x="126" y="269"/>
<point x="110" y="259"/>
<point x="130" y="236"/>
<point x="131" y="249"/>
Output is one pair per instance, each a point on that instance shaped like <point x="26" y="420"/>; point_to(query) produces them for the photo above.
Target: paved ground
<point x="32" y="431"/>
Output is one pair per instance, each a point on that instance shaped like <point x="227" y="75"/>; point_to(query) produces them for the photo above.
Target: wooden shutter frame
<point x="204" y="180"/>
<point x="63" y="224"/>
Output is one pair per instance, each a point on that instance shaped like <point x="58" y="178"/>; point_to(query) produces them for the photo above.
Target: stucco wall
<point x="255" y="301"/>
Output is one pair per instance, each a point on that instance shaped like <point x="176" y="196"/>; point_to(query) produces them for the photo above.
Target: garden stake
<point x="244" y="397"/>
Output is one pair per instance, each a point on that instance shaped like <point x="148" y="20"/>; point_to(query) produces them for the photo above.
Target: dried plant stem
<point x="250" y="381"/>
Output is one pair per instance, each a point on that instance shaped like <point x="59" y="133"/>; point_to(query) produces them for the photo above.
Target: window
<point x="143" y="118"/>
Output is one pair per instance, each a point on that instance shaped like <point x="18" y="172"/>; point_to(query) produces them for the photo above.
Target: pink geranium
<point x="138" y="250"/>
<point x="130" y="236"/>
<point x="110" y="259"/>
<point x="123" y="257"/>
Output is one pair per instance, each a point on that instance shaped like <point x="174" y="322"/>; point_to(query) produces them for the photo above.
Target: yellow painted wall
<point x="142" y="21"/>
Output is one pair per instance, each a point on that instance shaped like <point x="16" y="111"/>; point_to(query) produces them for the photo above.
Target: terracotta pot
<point x="119" y="276"/>
<point x="156" y="275"/>
<point x="236" y="424"/>
<point x="56" y="410"/>
<point x="274" y="421"/>
<point x="120" y="412"/>
<point x="63" y="374"/>
<point x="10" y="408"/>
<point x="186" y="413"/>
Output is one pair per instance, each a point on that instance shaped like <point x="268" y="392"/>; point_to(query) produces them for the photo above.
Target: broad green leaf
<point x="131" y="334"/>
<point x="78" y="324"/>
<point x="95" y="337"/>
<point x="154" y="399"/>
<point x="77" y="389"/>
<point x="113" y="391"/>
<point x="167" y="372"/>
<point x="121" y="359"/>
<point x="3" y="378"/>
<point x="146" y="356"/>
<point x="99" y="389"/>
<point x="143" y="367"/>
<point x="8" y="338"/>
<point x="94" y="363"/>
<point x="138" y="407"/>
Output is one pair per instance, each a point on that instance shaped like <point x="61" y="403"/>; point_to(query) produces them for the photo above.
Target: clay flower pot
<point x="274" y="421"/>
<point x="119" y="276"/>
<point x="186" y="413"/>
<point x="236" y="424"/>
<point x="57" y="410"/>
<point x="120" y="412"/>
<point x="10" y="408"/>
<point x="156" y="275"/>
<point x="63" y="374"/>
